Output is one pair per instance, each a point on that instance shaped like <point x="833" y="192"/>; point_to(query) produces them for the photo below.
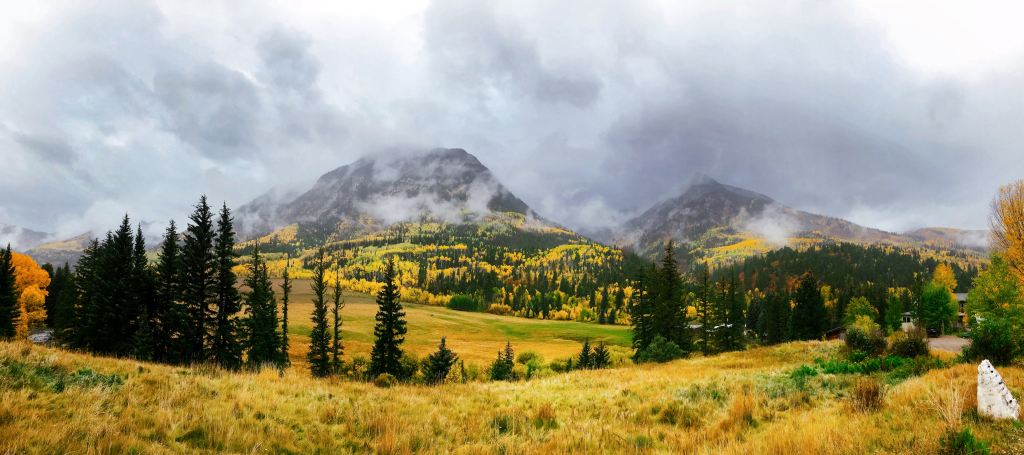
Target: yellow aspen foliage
<point x="32" y="282"/>
<point x="1008" y="226"/>
<point x="943" y="275"/>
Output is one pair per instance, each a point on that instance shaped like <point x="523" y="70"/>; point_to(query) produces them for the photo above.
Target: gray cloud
<point x="589" y="111"/>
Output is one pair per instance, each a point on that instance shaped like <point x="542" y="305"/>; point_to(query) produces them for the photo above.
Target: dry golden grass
<point x="737" y="403"/>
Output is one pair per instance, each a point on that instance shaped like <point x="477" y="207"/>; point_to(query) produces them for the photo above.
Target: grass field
<point x="53" y="401"/>
<point x="476" y="337"/>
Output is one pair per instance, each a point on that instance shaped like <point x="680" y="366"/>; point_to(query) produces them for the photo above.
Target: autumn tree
<point x="389" y="331"/>
<point x="9" y="308"/>
<point x="859" y="306"/>
<point x="1008" y="227"/>
<point x="32" y="282"/>
<point x="943" y="275"/>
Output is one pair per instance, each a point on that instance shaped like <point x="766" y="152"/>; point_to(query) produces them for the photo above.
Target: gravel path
<point x="948" y="343"/>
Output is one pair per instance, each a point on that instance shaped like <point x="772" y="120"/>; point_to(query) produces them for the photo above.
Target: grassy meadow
<point x="476" y="337"/>
<point x="52" y="401"/>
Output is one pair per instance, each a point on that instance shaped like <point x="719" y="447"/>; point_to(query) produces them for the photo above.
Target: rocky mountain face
<point x="710" y="214"/>
<point x="448" y="185"/>
<point x="60" y="252"/>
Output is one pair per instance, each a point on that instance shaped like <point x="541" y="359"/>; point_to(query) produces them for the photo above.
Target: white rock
<point x="994" y="399"/>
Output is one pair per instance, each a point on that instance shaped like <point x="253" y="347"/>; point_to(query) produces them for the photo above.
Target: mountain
<point x="62" y="251"/>
<point x="715" y="221"/>
<point x="20" y="238"/>
<point x="448" y="185"/>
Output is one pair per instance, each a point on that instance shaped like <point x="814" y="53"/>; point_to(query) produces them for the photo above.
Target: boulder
<point x="994" y="399"/>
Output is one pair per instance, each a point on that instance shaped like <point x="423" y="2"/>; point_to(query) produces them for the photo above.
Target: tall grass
<point x="737" y="403"/>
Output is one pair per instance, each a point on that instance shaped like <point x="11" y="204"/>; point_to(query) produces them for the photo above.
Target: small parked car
<point x="933" y="332"/>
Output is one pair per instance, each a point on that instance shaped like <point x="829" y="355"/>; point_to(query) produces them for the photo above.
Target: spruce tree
<point x="286" y="290"/>
<point x="390" y="329"/>
<point x="439" y="364"/>
<point x="171" y="321"/>
<point x="336" y="347"/>
<point x="263" y="345"/>
<point x="225" y="345"/>
<point x="601" y="357"/>
<point x="620" y="301"/>
<point x="64" y="306"/>
<point x="142" y="297"/>
<point x="641" y="312"/>
<point x="9" y="311"/>
<point x="319" y="339"/>
<point x="809" y="316"/>
<point x="503" y="368"/>
<point x="704" y="310"/>
<point x="117" y="312"/>
<point x="602" y="309"/>
<point x="583" y="360"/>
<point x="199" y="281"/>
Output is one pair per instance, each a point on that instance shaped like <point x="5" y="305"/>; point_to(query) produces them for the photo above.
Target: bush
<point x="865" y="335"/>
<point x="660" y="350"/>
<point x="963" y="442"/>
<point x="912" y="344"/>
<point x="992" y="339"/>
<point x="385" y="380"/>
<point x="499" y="309"/>
<point x="867" y="394"/>
<point x="463" y="303"/>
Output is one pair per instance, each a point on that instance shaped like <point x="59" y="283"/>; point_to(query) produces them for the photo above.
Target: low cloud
<point x="773" y="224"/>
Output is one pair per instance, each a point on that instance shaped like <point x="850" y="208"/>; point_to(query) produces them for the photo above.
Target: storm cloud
<point x="589" y="111"/>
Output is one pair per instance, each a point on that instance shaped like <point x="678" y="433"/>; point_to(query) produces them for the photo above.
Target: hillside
<point x="715" y="222"/>
<point x="452" y="227"/>
<point x="19" y="237"/>
<point x="738" y="403"/>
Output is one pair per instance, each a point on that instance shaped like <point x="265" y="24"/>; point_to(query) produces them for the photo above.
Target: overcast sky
<point x="892" y="116"/>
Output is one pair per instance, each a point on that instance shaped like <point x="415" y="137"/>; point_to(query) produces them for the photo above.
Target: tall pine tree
<point x="199" y="281"/>
<point x="286" y="290"/>
<point x="169" y="316"/>
<point x="389" y="331"/>
<point x="225" y="346"/>
<point x="9" y="311"/>
<point x="263" y="346"/>
<point x="319" y="355"/>
<point x="336" y="347"/>
<point x="809" y="315"/>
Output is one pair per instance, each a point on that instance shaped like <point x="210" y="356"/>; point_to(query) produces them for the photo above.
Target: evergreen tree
<point x="336" y="347"/>
<point x="640" y="311"/>
<point x="199" y="284"/>
<point x="319" y="340"/>
<point x="439" y="364"/>
<point x="117" y="312"/>
<point x="170" y="320"/>
<point x="704" y="310"/>
<point x="503" y="368"/>
<point x="620" y="301"/>
<point x="669" y="316"/>
<point x="601" y="357"/>
<point x="286" y="290"/>
<point x="142" y="296"/>
<point x="808" y="319"/>
<point x="602" y="309"/>
<point x="9" y="310"/>
<point x="583" y="360"/>
<point x="64" y="306"/>
<point x="389" y="331"/>
<point x="729" y="320"/>
<point x="263" y="346"/>
<point x="225" y="345"/>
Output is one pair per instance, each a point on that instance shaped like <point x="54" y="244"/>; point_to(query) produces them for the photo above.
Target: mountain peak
<point x="442" y="184"/>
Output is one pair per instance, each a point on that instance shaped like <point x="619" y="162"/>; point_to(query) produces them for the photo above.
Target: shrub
<point x="992" y="339"/>
<point x="867" y="394"/>
<point x="500" y="309"/>
<point x="963" y="442"/>
<point x="463" y="303"/>
<point x="660" y="350"/>
<point x="912" y="344"/>
<point x="800" y="375"/>
<point x="385" y="380"/>
<point x="865" y="335"/>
